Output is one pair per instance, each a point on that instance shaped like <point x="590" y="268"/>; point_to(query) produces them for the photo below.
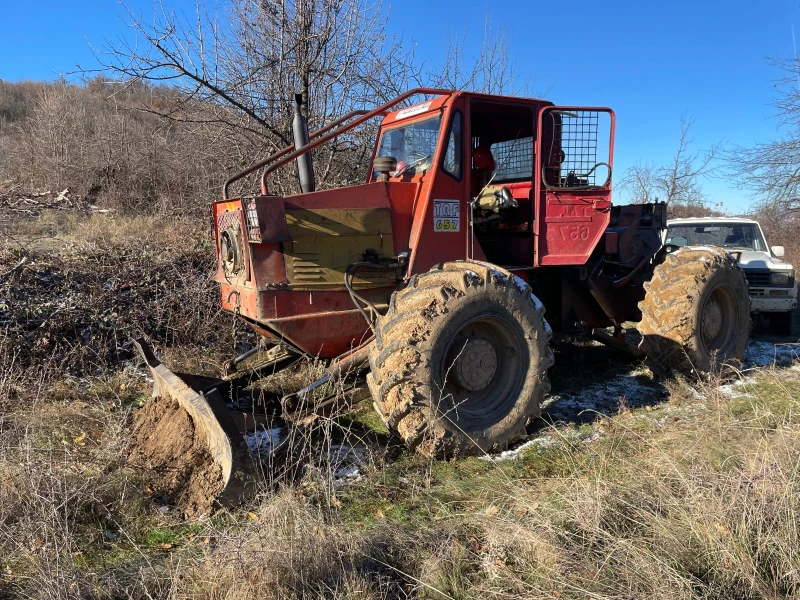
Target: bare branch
<point x="679" y="182"/>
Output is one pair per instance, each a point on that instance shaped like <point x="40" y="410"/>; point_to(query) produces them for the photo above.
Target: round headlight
<point x="779" y="278"/>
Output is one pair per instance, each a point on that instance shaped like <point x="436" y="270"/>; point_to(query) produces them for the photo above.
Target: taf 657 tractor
<point x="426" y="286"/>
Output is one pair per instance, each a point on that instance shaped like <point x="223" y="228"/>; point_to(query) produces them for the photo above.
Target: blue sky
<point x="651" y="62"/>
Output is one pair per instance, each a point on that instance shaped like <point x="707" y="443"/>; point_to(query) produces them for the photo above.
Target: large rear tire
<point x="459" y="364"/>
<point x="696" y="312"/>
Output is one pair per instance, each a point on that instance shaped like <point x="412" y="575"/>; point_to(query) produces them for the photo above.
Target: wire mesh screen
<point x="514" y="159"/>
<point x="578" y="150"/>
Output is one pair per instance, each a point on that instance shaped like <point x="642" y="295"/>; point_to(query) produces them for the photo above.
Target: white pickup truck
<point x="773" y="289"/>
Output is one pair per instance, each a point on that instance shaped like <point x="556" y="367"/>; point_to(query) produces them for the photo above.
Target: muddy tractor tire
<point x="460" y="360"/>
<point x="696" y="312"/>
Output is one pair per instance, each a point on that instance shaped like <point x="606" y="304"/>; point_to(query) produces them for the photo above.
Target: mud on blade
<point x="189" y="439"/>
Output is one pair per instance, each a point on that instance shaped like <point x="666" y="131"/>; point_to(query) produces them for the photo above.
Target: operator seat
<point x="482" y="167"/>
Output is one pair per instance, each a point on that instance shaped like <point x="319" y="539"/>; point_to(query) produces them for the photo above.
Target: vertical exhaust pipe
<point x="305" y="166"/>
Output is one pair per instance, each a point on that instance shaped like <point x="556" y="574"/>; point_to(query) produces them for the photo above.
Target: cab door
<point x="572" y="183"/>
<point x="442" y="210"/>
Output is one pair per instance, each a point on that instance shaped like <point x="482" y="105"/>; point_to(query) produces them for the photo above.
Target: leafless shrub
<point x="771" y="169"/>
<point x="74" y="310"/>
<point x="490" y="69"/>
<point x="96" y="141"/>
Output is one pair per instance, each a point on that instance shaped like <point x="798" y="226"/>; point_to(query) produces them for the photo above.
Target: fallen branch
<point x="14" y="268"/>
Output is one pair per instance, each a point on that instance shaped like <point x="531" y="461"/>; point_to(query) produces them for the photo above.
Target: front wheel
<point x="696" y="312"/>
<point x="460" y="360"/>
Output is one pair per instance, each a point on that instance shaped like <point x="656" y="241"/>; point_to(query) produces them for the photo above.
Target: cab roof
<point x="437" y="102"/>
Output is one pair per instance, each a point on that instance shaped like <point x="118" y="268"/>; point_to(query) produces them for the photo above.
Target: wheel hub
<point x="712" y="320"/>
<point x="476" y="365"/>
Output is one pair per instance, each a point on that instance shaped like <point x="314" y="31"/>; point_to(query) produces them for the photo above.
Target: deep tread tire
<point x="673" y="312"/>
<point x="411" y="360"/>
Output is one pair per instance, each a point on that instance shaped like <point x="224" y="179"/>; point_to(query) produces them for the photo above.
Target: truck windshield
<point x="742" y="236"/>
<point x="413" y="145"/>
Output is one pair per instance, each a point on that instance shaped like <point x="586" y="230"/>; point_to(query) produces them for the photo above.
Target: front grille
<point x="759" y="279"/>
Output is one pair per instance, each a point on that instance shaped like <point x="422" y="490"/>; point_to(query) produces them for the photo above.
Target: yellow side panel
<point x="324" y="242"/>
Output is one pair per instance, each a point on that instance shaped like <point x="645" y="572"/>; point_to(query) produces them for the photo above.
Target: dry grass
<point x="706" y="508"/>
<point x="693" y="498"/>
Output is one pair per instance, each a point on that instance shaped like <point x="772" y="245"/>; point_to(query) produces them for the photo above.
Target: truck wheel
<point x="696" y="312"/>
<point x="460" y="360"/>
<point x="780" y="323"/>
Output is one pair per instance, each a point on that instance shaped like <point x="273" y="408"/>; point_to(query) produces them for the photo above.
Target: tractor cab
<point x="516" y="182"/>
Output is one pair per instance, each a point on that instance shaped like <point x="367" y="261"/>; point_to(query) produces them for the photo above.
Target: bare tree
<point x="676" y="183"/>
<point x="489" y="69"/>
<point x="772" y="169"/>
<point x="238" y="71"/>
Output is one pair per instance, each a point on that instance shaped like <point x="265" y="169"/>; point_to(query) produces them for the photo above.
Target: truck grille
<point x="758" y="279"/>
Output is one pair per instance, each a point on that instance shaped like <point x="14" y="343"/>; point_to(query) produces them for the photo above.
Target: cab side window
<point x="453" y="158"/>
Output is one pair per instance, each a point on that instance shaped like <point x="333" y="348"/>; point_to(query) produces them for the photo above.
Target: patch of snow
<point x="696" y="395"/>
<point x="592" y="437"/>
<point x="731" y="389"/>
<point x="544" y="441"/>
<point x="262" y="441"/>
<point x="347" y="474"/>
<point x="346" y="462"/>
<point x="603" y="397"/>
<point x="472" y="274"/>
<point x="522" y="286"/>
<point x="763" y="354"/>
<point x="498" y="274"/>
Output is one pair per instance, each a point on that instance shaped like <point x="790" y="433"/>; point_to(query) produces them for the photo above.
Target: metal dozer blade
<point x="193" y="444"/>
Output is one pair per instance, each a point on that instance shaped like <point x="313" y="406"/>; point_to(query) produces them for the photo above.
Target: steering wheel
<point x="412" y="164"/>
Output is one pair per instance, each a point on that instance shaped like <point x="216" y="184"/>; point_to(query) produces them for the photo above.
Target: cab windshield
<point x="742" y="236"/>
<point x="412" y="145"/>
